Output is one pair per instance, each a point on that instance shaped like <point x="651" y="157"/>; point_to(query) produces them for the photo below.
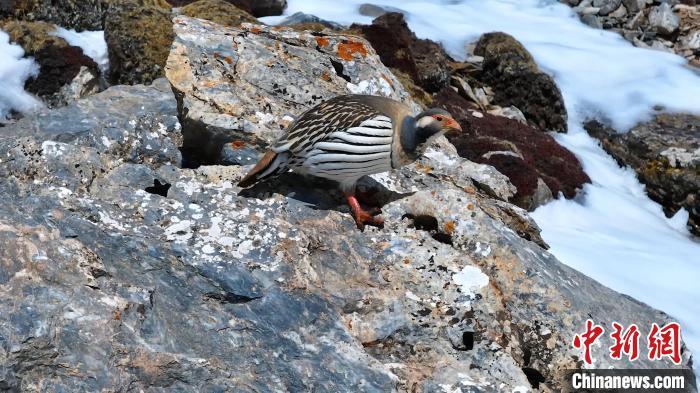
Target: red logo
<point x="665" y="341"/>
<point x="627" y="343"/>
<point x="587" y="339"/>
<point x="661" y="342"/>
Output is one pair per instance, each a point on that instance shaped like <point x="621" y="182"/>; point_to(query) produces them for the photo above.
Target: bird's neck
<point x="408" y="133"/>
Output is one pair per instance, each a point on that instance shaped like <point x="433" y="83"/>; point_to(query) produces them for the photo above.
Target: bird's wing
<point x="345" y="118"/>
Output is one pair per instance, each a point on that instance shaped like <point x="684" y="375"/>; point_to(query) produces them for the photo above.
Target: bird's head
<point x="432" y="123"/>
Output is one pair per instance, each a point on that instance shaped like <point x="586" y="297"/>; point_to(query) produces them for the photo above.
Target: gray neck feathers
<point x="408" y="134"/>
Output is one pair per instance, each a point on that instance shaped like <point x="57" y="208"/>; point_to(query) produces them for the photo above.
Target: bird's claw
<point x="368" y="217"/>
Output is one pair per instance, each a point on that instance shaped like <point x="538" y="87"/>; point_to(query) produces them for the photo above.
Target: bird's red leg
<point x="363" y="217"/>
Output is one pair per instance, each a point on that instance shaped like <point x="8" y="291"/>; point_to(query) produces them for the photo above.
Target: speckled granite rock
<point x="121" y="271"/>
<point x="246" y="83"/>
<point x="665" y="154"/>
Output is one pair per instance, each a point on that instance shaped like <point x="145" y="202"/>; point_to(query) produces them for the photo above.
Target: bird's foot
<point x="364" y="217"/>
<point x="368" y="217"/>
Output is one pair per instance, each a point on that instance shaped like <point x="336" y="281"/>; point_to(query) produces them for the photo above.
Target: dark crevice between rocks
<point x="429" y="224"/>
<point x="231" y="298"/>
<point x="202" y="144"/>
<point x="534" y="377"/>
<point x="468" y="340"/>
<point x="339" y="69"/>
<point x="158" y="188"/>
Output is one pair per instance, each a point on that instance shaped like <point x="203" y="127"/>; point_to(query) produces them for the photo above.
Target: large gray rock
<point x="663" y="20"/>
<point x="606" y="6"/>
<point x="247" y="83"/>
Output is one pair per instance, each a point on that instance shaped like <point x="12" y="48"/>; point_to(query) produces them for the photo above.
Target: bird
<point x="351" y="136"/>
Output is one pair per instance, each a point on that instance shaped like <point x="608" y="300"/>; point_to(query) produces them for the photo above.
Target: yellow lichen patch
<point x="32" y="36"/>
<point x="348" y="49"/>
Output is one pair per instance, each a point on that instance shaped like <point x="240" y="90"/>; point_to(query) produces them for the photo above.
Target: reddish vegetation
<point x="346" y="50"/>
<point x="542" y="156"/>
<point x="58" y="67"/>
<point x="322" y="41"/>
<point x="424" y="61"/>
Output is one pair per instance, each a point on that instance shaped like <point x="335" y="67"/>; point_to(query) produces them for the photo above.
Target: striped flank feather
<point x="341" y="139"/>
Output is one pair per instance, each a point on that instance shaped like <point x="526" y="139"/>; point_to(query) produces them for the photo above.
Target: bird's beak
<point x="453" y="125"/>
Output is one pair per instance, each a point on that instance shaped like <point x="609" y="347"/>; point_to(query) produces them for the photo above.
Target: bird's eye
<point x="438" y="118"/>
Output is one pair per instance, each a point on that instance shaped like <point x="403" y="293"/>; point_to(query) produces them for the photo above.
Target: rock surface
<point x="65" y="72"/>
<point x="424" y="61"/>
<point x="516" y="80"/>
<point x="665" y="154"/>
<point x="138" y="39"/>
<point x="246" y="83"/>
<point x="217" y="11"/>
<point x="302" y="21"/>
<point x="122" y="271"/>
<point x="534" y="162"/>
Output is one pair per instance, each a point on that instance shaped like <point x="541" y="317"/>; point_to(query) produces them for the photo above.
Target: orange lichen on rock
<point x="255" y="30"/>
<point x="237" y="144"/>
<point x="346" y="50"/>
<point x="450" y="227"/>
<point x="322" y="41"/>
<point x="325" y="76"/>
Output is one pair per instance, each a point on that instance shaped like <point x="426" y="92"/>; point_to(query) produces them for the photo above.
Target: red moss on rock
<point x="521" y="152"/>
<point x="58" y="67"/>
<point x="424" y="61"/>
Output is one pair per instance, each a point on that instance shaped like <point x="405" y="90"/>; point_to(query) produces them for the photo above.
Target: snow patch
<point x="92" y="43"/>
<point x="470" y="279"/>
<point x="14" y="71"/>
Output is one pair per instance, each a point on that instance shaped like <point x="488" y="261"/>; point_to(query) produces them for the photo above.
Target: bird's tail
<point x="270" y="164"/>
